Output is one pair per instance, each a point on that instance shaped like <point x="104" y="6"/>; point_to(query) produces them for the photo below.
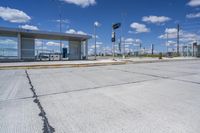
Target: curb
<point x="88" y="64"/>
<point x="157" y="61"/>
<point x="60" y="66"/>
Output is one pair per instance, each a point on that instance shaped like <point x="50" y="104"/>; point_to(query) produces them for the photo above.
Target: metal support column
<point x="86" y="49"/>
<point x="19" y="46"/>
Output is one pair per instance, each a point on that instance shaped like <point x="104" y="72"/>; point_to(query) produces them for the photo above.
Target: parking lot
<point x="134" y="98"/>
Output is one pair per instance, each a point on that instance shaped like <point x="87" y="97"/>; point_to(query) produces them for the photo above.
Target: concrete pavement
<point x="158" y="97"/>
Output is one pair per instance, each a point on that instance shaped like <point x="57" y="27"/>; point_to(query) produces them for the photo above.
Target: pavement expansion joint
<point x="185" y="81"/>
<point x="95" y="88"/>
<point x="156" y="76"/>
<point x="162" y="77"/>
<point x="47" y="128"/>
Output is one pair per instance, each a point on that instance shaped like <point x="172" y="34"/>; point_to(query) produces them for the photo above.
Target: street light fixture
<point x="96" y="24"/>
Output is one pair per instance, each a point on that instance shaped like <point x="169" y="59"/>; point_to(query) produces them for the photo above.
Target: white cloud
<point x="99" y="43"/>
<point x="130" y="41"/>
<point x="13" y="15"/>
<point x="72" y="31"/>
<point x="42" y="48"/>
<point x="8" y="42"/>
<point x="93" y="36"/>
<point x="193" y="15"/>
<point x="194" y="3"/>
<point x="82" y="3"/>
<point x="29" y="27"/>
<point x="81" y="33"/>
<point x="171" y="30"/>
<point x="155" y="19"/>
<point x="171" y="43"/>
<point x="188" y="37"/>
<point x="185" y="36"/>
<point x="51" y="43"/>
<point x="38" y="43"/>
<point x="97" y="46"/>
<point x="139" y="28"/>
<point x="170" y="33"/>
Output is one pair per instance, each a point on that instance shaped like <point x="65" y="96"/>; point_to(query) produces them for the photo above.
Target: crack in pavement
<point x="47" y="128"/>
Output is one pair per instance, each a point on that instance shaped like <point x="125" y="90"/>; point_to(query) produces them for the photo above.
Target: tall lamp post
<point x="60" y="26"/>
<point x="96" y="24"/>
<point x="60" y="17"/>
<point x="123" y="16"/>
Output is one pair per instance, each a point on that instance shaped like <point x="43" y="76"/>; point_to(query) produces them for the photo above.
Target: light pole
<point x="60" y="27"/>
<point x="60" y="17"/>
<point x="96" y="24"/>
<point x="123" y="16"/>
<point x="167" y="43"/>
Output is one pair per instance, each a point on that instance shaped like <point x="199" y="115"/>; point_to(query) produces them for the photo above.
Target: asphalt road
<point x="133" y="98"/>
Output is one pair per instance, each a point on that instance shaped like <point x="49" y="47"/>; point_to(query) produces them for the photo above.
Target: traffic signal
<point x="113" y="37"/>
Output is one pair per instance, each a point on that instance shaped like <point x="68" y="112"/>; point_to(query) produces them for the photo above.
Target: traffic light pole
<point x="178" y="36"/>
<point x="114" y="27"/>
<point x="113" y="47"/>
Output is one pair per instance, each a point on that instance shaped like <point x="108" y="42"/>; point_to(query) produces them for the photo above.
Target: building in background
<point x="77" y="44"/>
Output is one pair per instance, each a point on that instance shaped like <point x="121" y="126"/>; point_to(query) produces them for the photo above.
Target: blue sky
<point x="145" y="21"/>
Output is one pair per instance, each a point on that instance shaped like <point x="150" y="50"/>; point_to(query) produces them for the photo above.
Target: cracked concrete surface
<point x="155" y="97"/>
<point x="47" y="128"/>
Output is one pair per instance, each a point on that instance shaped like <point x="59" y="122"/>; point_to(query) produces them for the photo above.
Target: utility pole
<point x="178" y="37"/>
<point x="140" y="49"/>
<point x="95" y="43"/>
<point x="152" y="49"/>
<point x="123" y="16"/>
<point x="167" y="42"/>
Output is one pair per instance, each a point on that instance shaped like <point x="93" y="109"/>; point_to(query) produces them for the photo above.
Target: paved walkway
<point x="88" y="63"/>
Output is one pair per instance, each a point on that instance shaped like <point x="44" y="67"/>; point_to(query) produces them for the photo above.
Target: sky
<point x="143" y="21"/>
